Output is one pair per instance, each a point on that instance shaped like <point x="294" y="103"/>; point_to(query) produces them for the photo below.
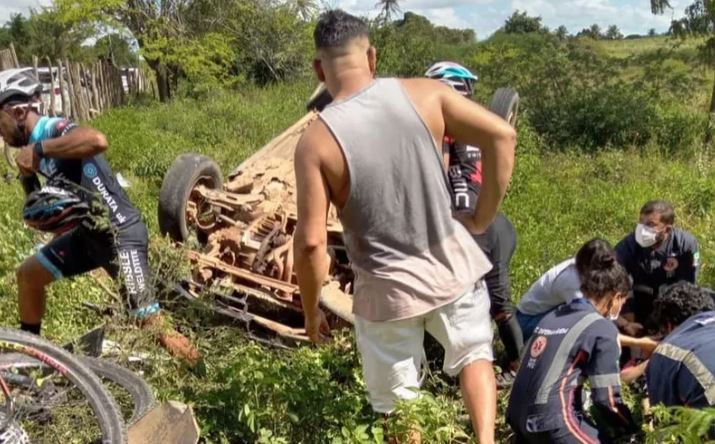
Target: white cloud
<point x="445" y="17"/>
<point x="630" y="16"/>
<point x="9" y="7"/>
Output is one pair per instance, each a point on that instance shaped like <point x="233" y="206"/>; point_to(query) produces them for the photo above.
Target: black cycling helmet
<point x="54" y="210"/>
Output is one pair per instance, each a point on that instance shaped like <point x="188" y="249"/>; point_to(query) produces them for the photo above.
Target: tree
<point x="613" y="33"/>
<point x="593" y="32"/>
<point x="562" y="33"/>
<point x="116" y="48"/>
<point x="154" y="25"/>
<point x="699" y="20"/>
<point x="521" y="23"/>
<point x="388" y="9"/>
<point x="17" y="31"/>
<point x="652" y="32"/>
<point x="306" y="9"/>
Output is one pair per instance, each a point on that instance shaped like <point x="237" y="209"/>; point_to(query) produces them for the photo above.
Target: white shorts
<point x="392" y="351"/>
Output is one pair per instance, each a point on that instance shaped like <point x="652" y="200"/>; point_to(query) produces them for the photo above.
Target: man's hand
<point x="633" y="329"/>
<point x="27" y="161"/>
<point x="317" y="327"/>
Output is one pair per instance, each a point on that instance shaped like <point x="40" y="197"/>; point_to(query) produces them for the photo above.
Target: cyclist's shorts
<point x="125" y="255"/>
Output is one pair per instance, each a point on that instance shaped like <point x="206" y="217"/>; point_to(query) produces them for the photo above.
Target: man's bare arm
<point x="310" y="241"/>
<point x="470" y="123"/>
<point x="80" y="143"/>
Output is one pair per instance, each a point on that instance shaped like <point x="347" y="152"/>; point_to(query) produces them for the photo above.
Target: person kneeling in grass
<point x="681" y="371"/>
<point x="562" y="284"/>
<point x="575" y="341"/>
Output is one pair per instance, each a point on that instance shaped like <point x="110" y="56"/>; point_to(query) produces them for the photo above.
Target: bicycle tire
<point x="103" y="405"/>
<point x="142" y="396"/>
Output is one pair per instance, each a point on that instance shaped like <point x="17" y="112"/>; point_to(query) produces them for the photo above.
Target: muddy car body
<point x="244" y="226"/>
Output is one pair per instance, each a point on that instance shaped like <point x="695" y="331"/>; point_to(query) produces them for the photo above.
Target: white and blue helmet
<point x="455" y="75"/>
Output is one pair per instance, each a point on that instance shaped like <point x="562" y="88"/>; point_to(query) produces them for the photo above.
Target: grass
<point x="249" y="393"/>
<point x="626" y="48"/>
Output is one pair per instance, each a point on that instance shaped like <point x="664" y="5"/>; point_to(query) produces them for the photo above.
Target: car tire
<point x="187" y="171"/>
<point x="505" y="103"/>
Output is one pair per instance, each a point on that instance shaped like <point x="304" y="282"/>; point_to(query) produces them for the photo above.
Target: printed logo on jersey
<point x="65" y="126"/>
<point x="538" y="346"/>
<point x="49" y="169"/>
<point x="696" y="259"/>
<point x="90" y="171"/>
<point x="671" y="264"/>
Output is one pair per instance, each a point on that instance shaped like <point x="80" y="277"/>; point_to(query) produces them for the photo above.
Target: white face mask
<point x="646" y="236"/>
<point x="614" y="316"/>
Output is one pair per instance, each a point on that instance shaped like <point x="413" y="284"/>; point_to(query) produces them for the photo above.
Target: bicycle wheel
<point x="142" y="398"/>
<point x="57" y="400"/>
<point x="132" y="394"/>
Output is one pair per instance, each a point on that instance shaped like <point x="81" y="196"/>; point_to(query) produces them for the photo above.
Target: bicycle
<point x="51" y="395"/>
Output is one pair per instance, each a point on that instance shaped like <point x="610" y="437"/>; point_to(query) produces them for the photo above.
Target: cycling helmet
<point x="54" y="210"/>
<point x="454" y="75"/>
<point x="18" y="82"/>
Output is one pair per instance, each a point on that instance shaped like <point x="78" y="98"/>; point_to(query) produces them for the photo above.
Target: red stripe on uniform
<point x="566" y="411"/>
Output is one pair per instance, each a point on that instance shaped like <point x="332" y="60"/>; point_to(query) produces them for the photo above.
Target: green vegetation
<point x="605" y="125"/>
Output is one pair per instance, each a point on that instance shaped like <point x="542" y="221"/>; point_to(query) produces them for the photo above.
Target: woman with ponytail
<point x="577" y="340"/>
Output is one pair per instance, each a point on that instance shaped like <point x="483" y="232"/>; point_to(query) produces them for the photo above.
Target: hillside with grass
<point x="604" y="126"/>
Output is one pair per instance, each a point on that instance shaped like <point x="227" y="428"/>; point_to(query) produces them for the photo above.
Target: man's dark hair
<point x="662" y="208"/>
<point x="336" y="28"/>
<point x="681" y="301"/>
<point x="593" y="254"/>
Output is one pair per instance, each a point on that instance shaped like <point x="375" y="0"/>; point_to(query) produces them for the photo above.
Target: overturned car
<point x="243" y="226"/>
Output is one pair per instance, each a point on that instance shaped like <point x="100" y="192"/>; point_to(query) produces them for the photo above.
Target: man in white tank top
<point x="374" y="154"/>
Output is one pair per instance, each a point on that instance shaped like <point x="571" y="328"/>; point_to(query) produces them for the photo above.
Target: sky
<point x="485" y="16"/>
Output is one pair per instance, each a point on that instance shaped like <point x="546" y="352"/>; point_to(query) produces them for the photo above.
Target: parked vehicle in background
<point x="51" y="86"/>
<point x="125" y="80"/>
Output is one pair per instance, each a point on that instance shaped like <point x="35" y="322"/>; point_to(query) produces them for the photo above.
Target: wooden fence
<point x="8" y="58"/>
<point x="82" y="91"/>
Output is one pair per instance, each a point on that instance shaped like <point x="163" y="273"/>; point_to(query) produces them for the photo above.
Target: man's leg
<point x="131" y="267"/>
<point x="32" y="278"/>
<point x="391" y="359"/>
<point x="480" y="397"/>
<point x="464" y="330"/>
<point x="499" y="244"/>
<point x="64" y="256"/>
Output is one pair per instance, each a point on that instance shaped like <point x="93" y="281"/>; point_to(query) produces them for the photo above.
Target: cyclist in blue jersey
<point x="71" y="159"/>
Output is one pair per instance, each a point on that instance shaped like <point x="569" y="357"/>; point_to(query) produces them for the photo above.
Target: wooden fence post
<point x="103" y="86"/>
<point x="14" y="55"/>
<point x="70" y="91"/>
<point x="85" y="91"/>
<point x="95" y="93"/>
<point x="80" y="91"/>
<point x="53" y="103"/>
<point x="63" y="94"/>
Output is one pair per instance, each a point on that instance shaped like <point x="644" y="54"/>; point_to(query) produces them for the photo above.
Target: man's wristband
<point x="39" y="149"/>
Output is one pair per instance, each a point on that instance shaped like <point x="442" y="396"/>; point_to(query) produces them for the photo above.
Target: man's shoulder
<point x="315" y="137"/>
<point x="685" y="239"/>
<point x="604" y="328"/>
<point x="626" y="246"/>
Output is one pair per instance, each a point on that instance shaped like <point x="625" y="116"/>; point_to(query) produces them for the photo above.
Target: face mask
<point x="646" y="236"/>
<point x="614" y="316"/>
